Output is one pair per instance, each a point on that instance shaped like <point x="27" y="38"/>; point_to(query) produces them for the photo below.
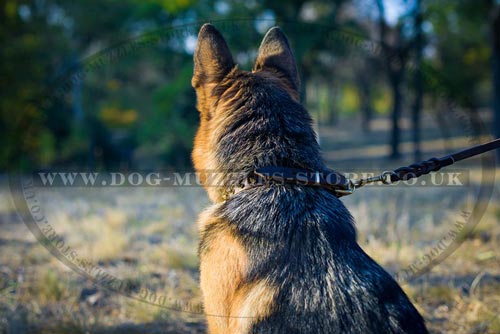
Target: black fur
<point x="300" y="240"/>
<point x="266" y="128"/>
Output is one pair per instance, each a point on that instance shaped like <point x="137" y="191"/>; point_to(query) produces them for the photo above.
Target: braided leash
<point x="341" y="186"/>
<point x="419" y="169"/>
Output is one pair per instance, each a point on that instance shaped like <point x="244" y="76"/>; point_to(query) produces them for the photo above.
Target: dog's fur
<point x="277" y="258"/>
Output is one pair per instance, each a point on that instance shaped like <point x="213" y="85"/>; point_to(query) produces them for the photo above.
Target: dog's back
<point x="278" y="258"/>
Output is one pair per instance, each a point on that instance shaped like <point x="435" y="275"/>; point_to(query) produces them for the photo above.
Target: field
<point x="146" y="238"/>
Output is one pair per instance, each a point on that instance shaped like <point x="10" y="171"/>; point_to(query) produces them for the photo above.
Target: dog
<point x="277" y="257"/>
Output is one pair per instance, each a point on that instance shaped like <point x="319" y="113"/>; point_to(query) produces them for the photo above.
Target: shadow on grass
<point x="154" y="328"/>
<point x="18" y="323"/>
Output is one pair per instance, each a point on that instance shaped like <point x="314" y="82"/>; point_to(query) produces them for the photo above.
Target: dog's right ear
<point x="275" y="56"/>
<point x="212" y="58"/>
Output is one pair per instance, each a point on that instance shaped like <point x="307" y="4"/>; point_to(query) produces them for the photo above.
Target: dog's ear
<point x="276" y="56"/>
<point x="212" y="58"/>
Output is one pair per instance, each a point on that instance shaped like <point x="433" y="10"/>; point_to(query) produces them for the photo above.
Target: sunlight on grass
<point x="49" y="288"/>
<point x="102" y="239"/>
<point x="149" y="240"/>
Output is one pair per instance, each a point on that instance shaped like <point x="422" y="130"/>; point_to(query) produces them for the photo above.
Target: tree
<point x="462" y="51"/>
<point x="395" y="56"/>
<point x="363" y="77"/>
<point x="495" y="58"/>
<point x="417" y="104"/>
<point x="28" y="61"/>
<point x="307" y="46"/>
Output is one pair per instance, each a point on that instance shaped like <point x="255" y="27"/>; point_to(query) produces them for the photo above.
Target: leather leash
<point x="342" y="186"/>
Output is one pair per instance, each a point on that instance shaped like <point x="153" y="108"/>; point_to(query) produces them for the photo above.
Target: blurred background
<point x="138" y="109"/>
<point x="105" y="86"/>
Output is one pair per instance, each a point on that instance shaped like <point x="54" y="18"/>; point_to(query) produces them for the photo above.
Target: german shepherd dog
<point x="277" y="257"/>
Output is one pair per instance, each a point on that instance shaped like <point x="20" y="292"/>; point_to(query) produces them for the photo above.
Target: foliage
<point x="137" y="108"/>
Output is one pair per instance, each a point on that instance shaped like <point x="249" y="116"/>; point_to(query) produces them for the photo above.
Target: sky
<point x="394" y="9"/>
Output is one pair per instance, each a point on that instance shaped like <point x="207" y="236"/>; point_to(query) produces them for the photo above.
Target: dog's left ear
<point x="276" y="57"/>
<point x="212" y="62"/>
<point x="212" y="58"/>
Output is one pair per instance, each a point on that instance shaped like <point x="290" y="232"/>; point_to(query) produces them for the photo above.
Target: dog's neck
<point x="330" y="180"/>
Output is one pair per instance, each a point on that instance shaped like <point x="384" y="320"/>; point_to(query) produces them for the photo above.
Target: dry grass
<point x="147" y="238"/>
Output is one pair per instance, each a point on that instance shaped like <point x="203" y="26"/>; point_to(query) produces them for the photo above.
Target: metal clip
<point x="385" y="178"/>
<point x="350" y="189"/>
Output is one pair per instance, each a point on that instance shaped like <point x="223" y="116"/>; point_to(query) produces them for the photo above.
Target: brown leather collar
<point x="330" y="180"/>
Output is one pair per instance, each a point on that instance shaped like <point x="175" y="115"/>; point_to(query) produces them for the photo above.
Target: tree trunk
<point x="495" y="32"/>
<point x="396" y="81"/>
<point x="395" y="57"/>
<point x="367" y="115"/>
<point x="417" y="105"/>
<point x="363" y="83"/>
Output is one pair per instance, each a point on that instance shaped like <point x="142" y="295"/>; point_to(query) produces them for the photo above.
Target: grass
<point x="147" y="238"/>
<point x="146" y="252"/>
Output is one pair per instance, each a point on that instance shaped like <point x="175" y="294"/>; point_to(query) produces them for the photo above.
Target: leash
<point x="342" y="186"/>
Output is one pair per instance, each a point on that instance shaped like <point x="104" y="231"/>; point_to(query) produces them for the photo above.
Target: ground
<point x="147" y="239"/>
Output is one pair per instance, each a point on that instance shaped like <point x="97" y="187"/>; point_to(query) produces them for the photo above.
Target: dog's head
<point x="244" y="113"/>
<point x="213" y="63"/>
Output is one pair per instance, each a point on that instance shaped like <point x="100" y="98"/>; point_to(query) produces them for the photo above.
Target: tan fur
<point x="248" y="280"/>
<point x="251" y="303"/>
<point x="222" y="267"/>
<point x="214" y="118"/>
<point x="231" y="305"/>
